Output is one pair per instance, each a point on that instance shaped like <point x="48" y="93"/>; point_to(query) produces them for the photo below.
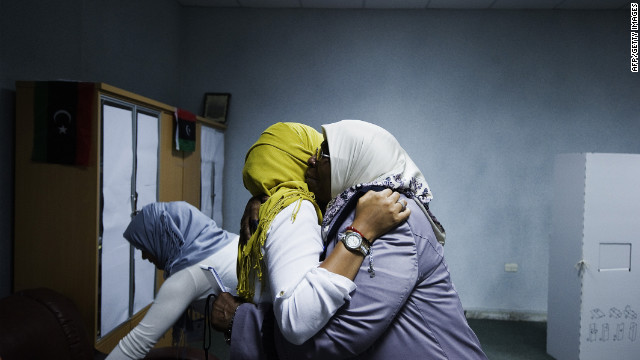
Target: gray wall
<point x="482" y="100"/>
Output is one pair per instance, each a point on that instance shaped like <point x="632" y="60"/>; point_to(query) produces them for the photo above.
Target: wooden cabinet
<point x="65" y="213"/>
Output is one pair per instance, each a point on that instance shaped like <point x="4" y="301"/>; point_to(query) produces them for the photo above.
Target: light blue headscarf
<point x="177" y="234"/>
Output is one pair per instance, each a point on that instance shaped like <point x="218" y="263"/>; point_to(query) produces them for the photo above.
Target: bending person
<point x="177" y="238"/>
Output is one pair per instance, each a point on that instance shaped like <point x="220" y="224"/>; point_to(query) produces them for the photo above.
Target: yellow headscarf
<point x="274" y="166"/>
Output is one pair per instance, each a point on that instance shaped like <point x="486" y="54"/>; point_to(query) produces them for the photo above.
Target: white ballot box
<point x="594" y="258"/>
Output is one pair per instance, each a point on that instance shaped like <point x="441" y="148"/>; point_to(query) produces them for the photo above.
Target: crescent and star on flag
<point x="60" y="119"/>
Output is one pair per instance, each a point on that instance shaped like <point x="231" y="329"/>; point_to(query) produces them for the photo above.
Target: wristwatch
<point x="355" y="242"/>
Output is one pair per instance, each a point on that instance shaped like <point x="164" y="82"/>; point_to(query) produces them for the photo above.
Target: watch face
<point x="353" y="241"/>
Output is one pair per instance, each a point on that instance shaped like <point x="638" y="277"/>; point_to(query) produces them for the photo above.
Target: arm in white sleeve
<point x="304" y="296"/>
<point x="173" y="298"/>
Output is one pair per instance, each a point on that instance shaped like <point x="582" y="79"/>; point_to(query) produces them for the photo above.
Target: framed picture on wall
<point x="216" y="106"/>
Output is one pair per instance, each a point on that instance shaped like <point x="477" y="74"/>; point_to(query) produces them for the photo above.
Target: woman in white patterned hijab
<point x="404" y="306"/>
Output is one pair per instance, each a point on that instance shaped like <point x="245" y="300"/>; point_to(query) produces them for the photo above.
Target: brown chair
<point x="42" y="324"/>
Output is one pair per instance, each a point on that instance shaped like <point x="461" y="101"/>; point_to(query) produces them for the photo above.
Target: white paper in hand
<point x="215" y="279"/>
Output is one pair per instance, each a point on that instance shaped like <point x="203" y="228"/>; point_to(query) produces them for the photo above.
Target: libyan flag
<point x="62" y="116"/>
<point x="185" y="130"/>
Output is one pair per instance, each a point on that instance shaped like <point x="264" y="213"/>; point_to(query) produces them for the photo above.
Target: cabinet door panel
<point x="212" y="165"/>
<point x="116" y="215"/>
<point x="147" y="189"/>
<point x="147" y="163"/>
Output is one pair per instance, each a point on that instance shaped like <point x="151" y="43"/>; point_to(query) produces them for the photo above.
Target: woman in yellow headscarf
<point x="274" y="166"/>
<point x="280" y="262"/>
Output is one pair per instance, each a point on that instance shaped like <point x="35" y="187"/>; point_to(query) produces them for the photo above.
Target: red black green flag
<point x="185" y="130"/>
<point x="62" y="116"/>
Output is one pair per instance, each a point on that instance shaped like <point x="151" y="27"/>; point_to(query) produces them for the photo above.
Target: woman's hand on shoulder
<point x="378" y="212"/>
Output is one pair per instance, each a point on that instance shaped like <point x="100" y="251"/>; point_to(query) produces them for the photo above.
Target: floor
<point x="500" y="339"/>
<point x="512" y="340"/>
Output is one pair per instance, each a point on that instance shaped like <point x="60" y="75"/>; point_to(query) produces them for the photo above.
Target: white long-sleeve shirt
<point x="175" y="295"/>
<point x="304" y="296"/>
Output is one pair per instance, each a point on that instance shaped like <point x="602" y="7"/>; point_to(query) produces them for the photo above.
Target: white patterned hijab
<point x="364" y="153"/>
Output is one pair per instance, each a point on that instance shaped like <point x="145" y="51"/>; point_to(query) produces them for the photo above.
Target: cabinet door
<point x="212" y="164"/>
<point x="117" y="164"/>
<point x="146" y="185"/>
<point x="129" y="181"/>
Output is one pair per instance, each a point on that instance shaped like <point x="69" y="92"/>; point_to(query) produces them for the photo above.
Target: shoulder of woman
<point x="296" y="213"/>
<point x="299" y="208"/>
